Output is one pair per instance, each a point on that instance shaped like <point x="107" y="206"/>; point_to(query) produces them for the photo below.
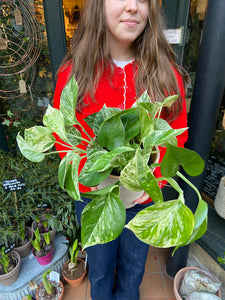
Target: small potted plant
<point x="50" y="290"/>
<point x="23" y="241"/>
<point x="9" y="267"/>
<point x="42" y="222"/>
<point x="42" y="249"/>
<point x="124" y="141"/>
<point x="74" y="270"/>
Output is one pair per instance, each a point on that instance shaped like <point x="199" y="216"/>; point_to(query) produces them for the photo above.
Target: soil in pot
<point x="75" y="277"/>
<point x="43" y="230"/>
<point x="13" y="269"/>
<point x="12" y="264"/>
<point x="24" y="247"/>
<point x="57" y="294"/>
<point x="44" y="251"/>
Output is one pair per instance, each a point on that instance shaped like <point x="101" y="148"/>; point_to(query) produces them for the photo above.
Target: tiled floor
<point x="156" y="284"/>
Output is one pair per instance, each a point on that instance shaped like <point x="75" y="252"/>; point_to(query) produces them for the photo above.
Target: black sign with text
<point x="214" y="172"/>
<point x="13" y="184"/>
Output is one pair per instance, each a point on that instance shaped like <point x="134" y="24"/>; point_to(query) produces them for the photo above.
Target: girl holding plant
<point x="118" y="51"/>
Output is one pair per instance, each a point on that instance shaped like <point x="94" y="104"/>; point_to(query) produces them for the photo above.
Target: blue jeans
<point x="127" y="255"/>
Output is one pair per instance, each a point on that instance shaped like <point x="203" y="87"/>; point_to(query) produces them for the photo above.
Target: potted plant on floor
<point x="74" y="270"/>
<point x="42" y="249"/>
<point x="125" y="141"/>
<point x="49" y="290"/>
<point x="9" y="267"/>
<point x="190" y="280"/>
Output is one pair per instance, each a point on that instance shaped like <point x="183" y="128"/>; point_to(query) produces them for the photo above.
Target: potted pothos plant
<point x="42" y="248"/>
<point x="48" y="289"/>
<point x="74" y="270"/>
<point x="125" y="141"/>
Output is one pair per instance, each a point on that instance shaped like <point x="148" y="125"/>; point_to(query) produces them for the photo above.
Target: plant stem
<point x="16" y="207"/>
<point x="190" y="184"/>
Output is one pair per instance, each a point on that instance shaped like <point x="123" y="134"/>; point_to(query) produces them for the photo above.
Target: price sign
<point x="14" y="184"/>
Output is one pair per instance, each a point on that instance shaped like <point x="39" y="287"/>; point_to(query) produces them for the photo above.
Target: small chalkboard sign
<point x="214" y="172"/>
<point x="13" y="184"/>
<point x="9" y="248"/>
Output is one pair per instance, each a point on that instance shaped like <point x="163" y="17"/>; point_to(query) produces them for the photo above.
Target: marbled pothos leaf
<point x="40" y="137"/>
<point x="104" y="162"/>
<point x="89" y="178"/>
<point x="68" y="102"/>
<point x="103" y="219"/>
<point x="147" y="180"/>
<point x="95" y="120"/>
<point x="68" y="174"/>
<point x="73" y="135"/>
<point x="164" y="225"/>
<point x="200" y="223"/>
<point x="54" y="120"/>
<point x="29" y="151"/>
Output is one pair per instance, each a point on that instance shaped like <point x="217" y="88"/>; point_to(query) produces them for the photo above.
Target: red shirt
<point x="120" y="93"/>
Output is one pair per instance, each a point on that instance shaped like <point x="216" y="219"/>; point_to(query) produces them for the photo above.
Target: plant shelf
<point x="32" y="271"/>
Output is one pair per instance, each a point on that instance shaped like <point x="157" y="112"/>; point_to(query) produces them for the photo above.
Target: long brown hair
<point x="89" y="54"/>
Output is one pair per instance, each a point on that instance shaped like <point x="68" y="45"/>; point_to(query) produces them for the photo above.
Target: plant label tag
<point x="3" y="44"/>
<point x="13" y="185"/>
<point x="22" y="86"/>
<point x="54" y="276"/>
<point x="9" y="248"/>
<point x="18" y="17"/>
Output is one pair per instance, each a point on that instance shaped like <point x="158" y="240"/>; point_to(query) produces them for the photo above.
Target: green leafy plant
<point x="42" y="247"/>
<point x="4" y="260"/>
<point x="42" y="195"/>
<point x="221" y="259"/>
<point x="22" y="230"/>
<point x="125" y="141"/>
<point x="73" y="255"/>
<point x="48" y="286"/>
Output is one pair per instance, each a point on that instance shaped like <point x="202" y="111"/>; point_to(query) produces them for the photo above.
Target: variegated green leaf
<point x="73" y="135"/>
<point x="103" y="219"/>
<point x="65" y="165"/>
<point x="89" y="178"/>
<point x="104" y="162"/>
<point x="68" y="102"/>
<point x="29" y="151"/>
<point x="170" y="100"/>
<point x="71" y="179"/>
<point x="40" y="137"/>
<point x="147" y="180"/>
<point x="163" y="225"/>
<point x="129" y="176"/>
<point x="54" y="120"/>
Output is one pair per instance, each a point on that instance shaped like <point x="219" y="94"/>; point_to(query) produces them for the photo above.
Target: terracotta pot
<point x="44" y="260"/>
<point x="25" y="249"/>
<point x="11" y="277"/>
<point x="53" y="231"/>
<point x="180" y="275"/>
<point x="74" y="282"/>
<point x="59" y="298"/>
